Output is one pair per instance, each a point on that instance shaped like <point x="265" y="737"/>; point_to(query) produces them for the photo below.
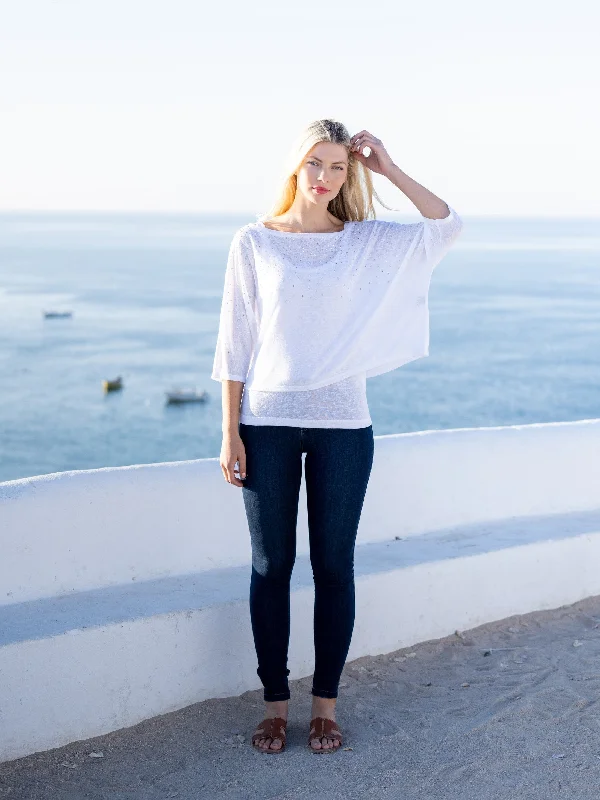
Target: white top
<point x="306" y="318"/>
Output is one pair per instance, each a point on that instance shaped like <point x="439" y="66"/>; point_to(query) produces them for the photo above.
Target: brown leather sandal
<point x="322" y="726"/>
<point x="275" y="727"/>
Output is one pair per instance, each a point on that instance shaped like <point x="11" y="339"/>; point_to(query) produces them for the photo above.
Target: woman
<point x="319" y="295"/>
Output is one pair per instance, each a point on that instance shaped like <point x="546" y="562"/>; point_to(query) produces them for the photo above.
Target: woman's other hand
<point x="232" y="452"/>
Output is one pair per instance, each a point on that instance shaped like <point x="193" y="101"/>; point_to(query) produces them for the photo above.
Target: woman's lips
<point x="320" y="190"/>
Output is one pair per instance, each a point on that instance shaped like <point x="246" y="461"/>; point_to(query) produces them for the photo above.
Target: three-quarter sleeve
<point x="236" y="337"/>
<point x="438" y="237"/>
<point x="430" y="239"/>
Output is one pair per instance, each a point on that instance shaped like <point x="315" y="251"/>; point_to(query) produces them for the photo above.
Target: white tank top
<point x="338" y="405"/>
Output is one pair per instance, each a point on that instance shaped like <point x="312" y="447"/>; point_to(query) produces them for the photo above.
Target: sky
<point x="181" y="105"/>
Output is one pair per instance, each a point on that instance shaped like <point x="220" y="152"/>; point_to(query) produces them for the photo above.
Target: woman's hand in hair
<point x="378" y="159"/>
<point x="232" y="451"/>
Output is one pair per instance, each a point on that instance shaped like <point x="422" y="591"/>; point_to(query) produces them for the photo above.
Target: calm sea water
<point x="515" y="335"/>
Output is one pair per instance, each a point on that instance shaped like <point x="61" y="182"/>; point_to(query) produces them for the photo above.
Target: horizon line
<point x="243" y="213"/>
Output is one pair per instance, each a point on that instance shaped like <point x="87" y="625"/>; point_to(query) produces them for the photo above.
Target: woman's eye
<point x="316" y="165"/>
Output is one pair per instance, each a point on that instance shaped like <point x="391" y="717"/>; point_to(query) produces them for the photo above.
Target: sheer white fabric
<point x="338" y="405"/>
<point x="307" y="317"/>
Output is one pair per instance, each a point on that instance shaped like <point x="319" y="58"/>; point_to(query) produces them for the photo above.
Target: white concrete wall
<point x="124" y="591"/>
<point x="73" y="531"/>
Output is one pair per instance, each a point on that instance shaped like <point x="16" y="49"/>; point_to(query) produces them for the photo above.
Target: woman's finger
<point x="360" y="133"/>
<point x="368" y="141"/>
<point x="357" y="142"/>
<point x="362" y="144"/>
<point x="359" y="153"/>
<point x="230" y="470"/>
<point x="362" y="137"/>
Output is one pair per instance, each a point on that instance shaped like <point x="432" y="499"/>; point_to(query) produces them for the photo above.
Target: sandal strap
<point x="322" y="726"/>
<point x="275" y="727"/>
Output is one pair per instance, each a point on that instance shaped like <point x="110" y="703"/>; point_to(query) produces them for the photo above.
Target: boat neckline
<point x="303" y="233"/>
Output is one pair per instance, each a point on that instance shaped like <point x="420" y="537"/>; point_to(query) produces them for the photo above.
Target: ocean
<point x="514" y="335"/>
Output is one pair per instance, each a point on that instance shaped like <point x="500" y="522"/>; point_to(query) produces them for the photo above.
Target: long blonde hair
<point x="354" y="201"/>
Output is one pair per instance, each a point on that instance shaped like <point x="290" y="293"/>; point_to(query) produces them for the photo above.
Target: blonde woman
<point x="319" y="295"/>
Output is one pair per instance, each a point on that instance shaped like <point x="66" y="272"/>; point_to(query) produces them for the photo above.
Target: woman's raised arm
<point x="380" y="161"/>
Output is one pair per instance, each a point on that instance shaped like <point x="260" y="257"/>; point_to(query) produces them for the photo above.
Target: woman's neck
<point x="309" y="219"/>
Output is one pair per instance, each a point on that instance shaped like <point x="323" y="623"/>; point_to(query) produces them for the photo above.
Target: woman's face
<point x="322" y="172"/>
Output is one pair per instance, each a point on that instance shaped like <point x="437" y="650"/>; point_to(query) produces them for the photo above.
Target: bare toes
<point x="266" y="743"/>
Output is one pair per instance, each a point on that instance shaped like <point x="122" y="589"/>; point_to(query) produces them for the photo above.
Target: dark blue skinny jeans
<point x="336" y="471"/>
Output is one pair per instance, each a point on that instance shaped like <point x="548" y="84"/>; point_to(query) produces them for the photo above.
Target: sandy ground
<point x="505" y="710"/>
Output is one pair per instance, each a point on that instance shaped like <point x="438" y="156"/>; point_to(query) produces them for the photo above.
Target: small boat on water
<point x="113" y="385"/>
<point x="186" y="396"/>
<point x="57" y="314"/>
